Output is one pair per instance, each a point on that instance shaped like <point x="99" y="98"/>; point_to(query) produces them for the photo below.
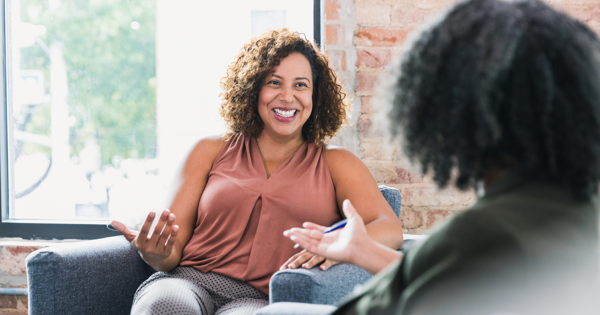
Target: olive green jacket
<point x="526" y="247"/>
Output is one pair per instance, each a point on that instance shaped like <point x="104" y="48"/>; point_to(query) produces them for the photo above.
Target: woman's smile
<point x="285" y="115"/>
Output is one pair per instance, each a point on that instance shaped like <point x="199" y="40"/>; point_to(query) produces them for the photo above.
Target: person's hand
<point x="158" y="246"/>
<point x="341" y="245"/>
<point x="307" y="260"/>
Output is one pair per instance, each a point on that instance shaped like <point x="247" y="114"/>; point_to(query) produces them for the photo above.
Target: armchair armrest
<point x="322" y="287"/>
<point x="91" y="277"/>
<point x="314" y="285"/>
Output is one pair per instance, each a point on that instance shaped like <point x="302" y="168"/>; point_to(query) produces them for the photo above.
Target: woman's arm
<point x="353" y="181"/>
<point x="163" y="249"/>
<point x="351" y="244"/>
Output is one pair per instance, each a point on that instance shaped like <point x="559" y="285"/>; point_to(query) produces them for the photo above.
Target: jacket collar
<point x="508" y="181"/>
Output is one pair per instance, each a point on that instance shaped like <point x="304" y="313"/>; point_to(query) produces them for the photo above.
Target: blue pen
<point x="332" y="228"/>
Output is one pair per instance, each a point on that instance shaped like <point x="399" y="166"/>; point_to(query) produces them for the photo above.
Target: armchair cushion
<point x="92" y="277"/>
<point x="287" y="308"/>
<point x="314" y="285"/>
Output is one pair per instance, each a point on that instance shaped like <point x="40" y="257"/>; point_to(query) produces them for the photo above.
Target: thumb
<point x="349" y="210"/>
<point x="130" y="236"/>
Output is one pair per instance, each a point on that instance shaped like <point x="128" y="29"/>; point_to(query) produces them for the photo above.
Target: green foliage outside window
<point x="109" y="50"/>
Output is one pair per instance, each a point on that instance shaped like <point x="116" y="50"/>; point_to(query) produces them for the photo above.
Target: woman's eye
<point x="302" y="84"/>
<point x="273" y="82"/>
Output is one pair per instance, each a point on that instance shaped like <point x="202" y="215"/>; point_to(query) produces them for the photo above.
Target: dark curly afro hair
<point x="256" y="62"/>
<point x="500" y="84"/>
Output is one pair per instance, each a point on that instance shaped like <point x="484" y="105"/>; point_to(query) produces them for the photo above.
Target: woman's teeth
<point x="285" y="113"/>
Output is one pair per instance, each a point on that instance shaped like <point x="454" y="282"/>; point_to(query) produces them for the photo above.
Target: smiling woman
<point x="246" y="76"/>
<point x="221" y="241"/>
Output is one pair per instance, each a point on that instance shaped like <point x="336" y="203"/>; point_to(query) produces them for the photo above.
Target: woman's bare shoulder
<point x="206" y="149"/>
<point x="211" y="143"/>
<point x="337" y="154"/>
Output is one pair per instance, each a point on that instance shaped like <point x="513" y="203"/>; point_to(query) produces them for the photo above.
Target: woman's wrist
<point x="166" y="264"/>
<point x="374" y="257"/>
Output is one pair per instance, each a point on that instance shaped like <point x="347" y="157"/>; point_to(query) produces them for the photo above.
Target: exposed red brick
<point x="16" y="250"/>
<point x="406" y="176"/>
<point x="332" y="9"/>
<point x="364" y="126"/>
<point x="411" y="219"/>
<point x="373" y="15"/>
<point x="362" y="3"/>
<point x="366" y="81"/>
<point x="8" y="301"/>
<point x="373" y="58"/>
<point x="376" y="148"/>
<point x="434" y="217"/>
<point x="409" y="15"/>
<point x="12" y="258"/>
<point x="431" y="196"/>
<point x="334" y="34"/>
<point x="586" y="12"/>
<point x="22" y="302"/>
<point x="380" y="37"/>
<point x="337" y="59"/>
<point x="366" y="129"/>
<point x="365" y="104"/>
<point x="7" y="311"/>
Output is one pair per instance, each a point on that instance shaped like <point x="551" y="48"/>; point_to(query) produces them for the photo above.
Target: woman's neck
<point x="277" y="148"/>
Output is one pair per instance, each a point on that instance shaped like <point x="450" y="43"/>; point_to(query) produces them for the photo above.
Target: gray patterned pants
<point x="186" y="290"/>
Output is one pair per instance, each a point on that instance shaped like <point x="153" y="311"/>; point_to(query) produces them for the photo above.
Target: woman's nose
<point x="287" y="95"/>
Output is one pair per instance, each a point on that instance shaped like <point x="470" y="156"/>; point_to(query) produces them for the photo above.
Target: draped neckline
<point x="257" y="156"/>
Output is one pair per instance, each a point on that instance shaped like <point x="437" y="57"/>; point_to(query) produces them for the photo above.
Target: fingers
<point x="172" y="238"/>
<point x="158" y="229"/>
<point x="300" y="259"/>
<point x="349" y="210"/>
<point x="289" y="261"/>
<point x="143" y="236"/>
<point x="313" y="226"/>
<point x="167" y="230"/>
<point x="129" y="236"/>
<point x="328" y="263"/>
<point x="309" y="244"/>
<point x="315" y="260"/>
<point x="314" y="234"/>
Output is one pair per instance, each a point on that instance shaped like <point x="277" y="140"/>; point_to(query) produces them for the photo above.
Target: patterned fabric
<point x="185" y="290"/>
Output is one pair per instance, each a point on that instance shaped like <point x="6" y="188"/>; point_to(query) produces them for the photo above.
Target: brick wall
<point x="13" y="273"/>
<point x="362" y="38"/>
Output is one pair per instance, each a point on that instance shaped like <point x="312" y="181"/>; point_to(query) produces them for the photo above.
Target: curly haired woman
<point x="507" y="94"/>
<point x="270" y="172"/>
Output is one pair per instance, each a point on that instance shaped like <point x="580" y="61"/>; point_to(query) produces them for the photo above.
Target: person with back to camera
<point x="507" y="94"/>
<point x="239" y="192"/>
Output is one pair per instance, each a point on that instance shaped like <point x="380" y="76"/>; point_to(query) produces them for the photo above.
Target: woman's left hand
<point x="307" y="260"/>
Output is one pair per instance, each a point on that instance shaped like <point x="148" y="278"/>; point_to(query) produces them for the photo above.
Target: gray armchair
<point x="101" y="277"/>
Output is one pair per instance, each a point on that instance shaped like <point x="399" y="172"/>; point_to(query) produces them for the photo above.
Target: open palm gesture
<point x="340" y="245"/>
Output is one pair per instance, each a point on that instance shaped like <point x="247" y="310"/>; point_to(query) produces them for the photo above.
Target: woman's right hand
<point x="351" y="244"/>
<point x="156" y="247"/>
<point x="340" y="245"/>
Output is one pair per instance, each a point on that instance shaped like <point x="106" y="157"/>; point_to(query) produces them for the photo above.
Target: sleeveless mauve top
<point x="242" y="214"/>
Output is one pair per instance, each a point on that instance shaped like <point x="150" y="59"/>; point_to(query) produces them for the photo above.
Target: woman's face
<point x="285" y="101"/>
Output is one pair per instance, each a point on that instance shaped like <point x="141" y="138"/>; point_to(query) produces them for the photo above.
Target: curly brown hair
<point x="256" y="62"/>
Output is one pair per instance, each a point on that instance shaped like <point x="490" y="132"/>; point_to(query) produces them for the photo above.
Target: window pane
<point x="106" y="96"/>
